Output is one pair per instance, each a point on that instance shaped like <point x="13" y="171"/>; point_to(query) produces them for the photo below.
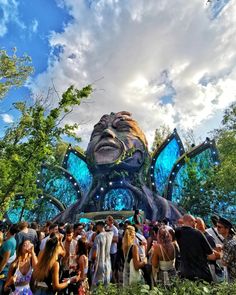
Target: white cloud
<point x="130" y="44"/>
<point x="9" y="13"/>
<point x="7" y="118"/>
<point x="34" y="26"/>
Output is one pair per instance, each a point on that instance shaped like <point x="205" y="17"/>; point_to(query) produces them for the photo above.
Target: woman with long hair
<point x="164" y="255"/>
<point x="82" y="262"/>
<point x="21" y="269"/>
<point x="45" y="277"/>
<point x="133" y="263"/>
<point x="1" y="238"/>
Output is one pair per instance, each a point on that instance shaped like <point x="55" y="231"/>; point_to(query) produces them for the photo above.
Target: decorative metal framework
<point x="163" y="160"/>
<point x="204" y="156"/>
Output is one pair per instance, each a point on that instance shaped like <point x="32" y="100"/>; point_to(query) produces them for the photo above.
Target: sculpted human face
<point x="112" y="136"/>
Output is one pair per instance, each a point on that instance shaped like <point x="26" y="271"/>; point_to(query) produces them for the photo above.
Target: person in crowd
<point x="101" y="255"/>
<point x="46" y="228"/>
<point x="152" y="237"/>
<point x="138" y="220"/>
<point x="1" y="238"/>
<point x="90" y="254"/>
<point x="164" y="255"/>
<point x="180" y="222"/>
<point x="45" y="276"/>
<point x="146" y="229"/>
<point x="26" y="233"/>
<point x="195" y="251"/>
<point x="113" y="251"/>
<point x="53" y="228"/>
<point x="90" y="231"/>
<point x="213" y="231"/>
<point x="126" y="223"/>
<point x="7" y="254"/>
<point x="141" y="242"/>
<point x="120" y="255"/>
<point x="225" y="228"/>
<point x="61" y="228"/>
<point x="40" y="236"/>
<point x="21" y="269"/>
<point x="82" y="262"/>
<point x="216" y="272"/>
<point x="70" y="246"/>
<point x="133" y="263"/>
<point x="78" y="231"/>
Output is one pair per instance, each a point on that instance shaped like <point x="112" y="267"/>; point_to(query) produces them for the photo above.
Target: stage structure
<point x="116" y="173"/>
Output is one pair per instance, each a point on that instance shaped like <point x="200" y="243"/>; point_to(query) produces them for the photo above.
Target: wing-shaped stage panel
<point x="163" y="161"/>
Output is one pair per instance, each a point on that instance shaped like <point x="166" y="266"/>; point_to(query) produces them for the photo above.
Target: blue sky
<point x="173" y="63"/>
<point x="27" y="25"/>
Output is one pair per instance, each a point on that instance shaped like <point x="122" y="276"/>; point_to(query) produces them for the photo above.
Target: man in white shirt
<point x="113" y="251"/>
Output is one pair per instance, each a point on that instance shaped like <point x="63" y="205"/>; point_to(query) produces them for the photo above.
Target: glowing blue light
<point x="164" y="163"/>
<point x="79" y="169"/>
<point x="42" y="211"/>
<point x="118" y="199"/>
<point x="202" y="161"/>
<point x="56" y="184"/>
<point x="85" y="220"/>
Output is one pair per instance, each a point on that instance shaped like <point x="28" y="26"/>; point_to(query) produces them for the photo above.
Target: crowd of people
<point x="74" y="259"/>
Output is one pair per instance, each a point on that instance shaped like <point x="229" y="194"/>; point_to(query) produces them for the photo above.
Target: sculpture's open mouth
<point x="107" y="151"/>
<point x="106" y="145"/>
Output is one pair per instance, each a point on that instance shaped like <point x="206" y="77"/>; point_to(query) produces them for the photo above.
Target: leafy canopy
<point x="30" y="142"/>
<point x="14" y="71"/>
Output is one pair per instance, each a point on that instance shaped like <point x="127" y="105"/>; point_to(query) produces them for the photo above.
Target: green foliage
<point x="34" y="139"/>
<point x="178" y="287"/>
<point x="215" y="190"/>
<point x="161" y="134"/>
<point x="14" y="71"/>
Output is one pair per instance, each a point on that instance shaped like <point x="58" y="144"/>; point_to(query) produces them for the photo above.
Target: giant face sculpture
<point x="116" y="139"/>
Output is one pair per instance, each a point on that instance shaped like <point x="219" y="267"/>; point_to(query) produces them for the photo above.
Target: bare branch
<point x="64" y="116"/>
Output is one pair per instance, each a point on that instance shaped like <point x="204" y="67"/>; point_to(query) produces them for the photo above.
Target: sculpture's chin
<point x="107" y="155"/>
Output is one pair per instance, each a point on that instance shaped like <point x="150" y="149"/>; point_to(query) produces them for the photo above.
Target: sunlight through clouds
<point x="170" y="63"/>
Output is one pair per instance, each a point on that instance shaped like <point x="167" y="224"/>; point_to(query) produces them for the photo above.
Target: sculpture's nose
<point x="108" y="133"/>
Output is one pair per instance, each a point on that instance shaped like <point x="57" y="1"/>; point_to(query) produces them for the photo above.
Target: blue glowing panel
<point x="201" y="162"/>
<point x="118" y="199"/>
<point x="164" y="163"/>
<point x="79" y="169"/>
<point x="43" y="211"/>
<point x="55" y="184"/>
<point x="85" y="220"/>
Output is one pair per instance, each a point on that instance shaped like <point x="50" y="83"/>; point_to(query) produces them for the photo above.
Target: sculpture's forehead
<point x="116" y="116"/>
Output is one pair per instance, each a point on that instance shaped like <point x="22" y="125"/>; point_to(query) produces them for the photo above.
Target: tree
<point x="160" y="136"/>
<point x="215" y="190"/>
<point x="14" y="71"/>
<point x="32" y="141"/>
